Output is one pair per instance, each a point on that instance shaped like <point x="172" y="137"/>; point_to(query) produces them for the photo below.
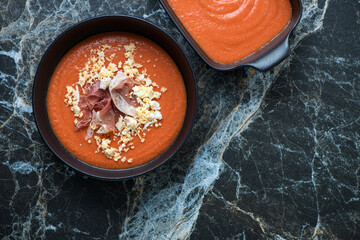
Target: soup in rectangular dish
<point x="230" y="30"/>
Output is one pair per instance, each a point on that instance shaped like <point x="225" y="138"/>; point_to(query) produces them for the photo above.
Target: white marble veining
<point x="186" y="198"/>
<point x="164" y="204"/>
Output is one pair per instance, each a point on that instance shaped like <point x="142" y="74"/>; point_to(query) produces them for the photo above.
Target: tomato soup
<point x="139" y="81"/>
<point x="230" y="30"/>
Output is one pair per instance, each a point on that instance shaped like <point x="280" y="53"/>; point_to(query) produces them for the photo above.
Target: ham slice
<point x="93" y="95"/>
<point x="86" y="119"/>
<point x="105" y="118"/>
<point x="92" y="100"/>
<point x="120" y="88"/>
<point x="101" y="107"/>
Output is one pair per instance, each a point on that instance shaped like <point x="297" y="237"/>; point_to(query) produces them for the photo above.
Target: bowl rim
<point x="260" y="59"/>
<point x="115" y="171"/>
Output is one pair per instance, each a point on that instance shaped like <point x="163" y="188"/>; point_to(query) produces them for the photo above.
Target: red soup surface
<point x="88" y="68"/>
<point x="230" y="30"/>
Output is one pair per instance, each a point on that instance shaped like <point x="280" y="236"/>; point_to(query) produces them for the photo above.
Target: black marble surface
<point x="273" y="155"/>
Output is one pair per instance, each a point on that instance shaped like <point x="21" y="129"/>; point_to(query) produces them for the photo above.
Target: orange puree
<point x="162" y="70"/>
<point x="230" y="30"/>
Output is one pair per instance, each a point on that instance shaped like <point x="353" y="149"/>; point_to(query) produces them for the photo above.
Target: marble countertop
<point x="273" y="155"/>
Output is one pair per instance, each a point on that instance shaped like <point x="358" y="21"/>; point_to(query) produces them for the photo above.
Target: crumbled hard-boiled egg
<point x="155" y="105"/>
<point x="105" y="82"/>
<point x="126" y="127"/>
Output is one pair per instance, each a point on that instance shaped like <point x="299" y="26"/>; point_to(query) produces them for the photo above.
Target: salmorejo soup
<point x="116" y="100"/>
<point x="230" y="30"/>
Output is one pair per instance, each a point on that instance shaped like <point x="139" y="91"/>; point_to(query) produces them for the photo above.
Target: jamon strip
<point x="100" y="107"/>
<point x="120" y="88"/>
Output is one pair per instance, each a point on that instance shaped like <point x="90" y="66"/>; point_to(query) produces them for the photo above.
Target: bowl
<point x="264" y="59"/>
<point x="81" y="31"/>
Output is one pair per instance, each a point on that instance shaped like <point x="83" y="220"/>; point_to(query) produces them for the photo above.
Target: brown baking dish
<point x="265" y="58"/>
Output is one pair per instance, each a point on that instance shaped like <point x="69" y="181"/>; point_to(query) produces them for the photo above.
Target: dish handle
<point x="272" y="57"/>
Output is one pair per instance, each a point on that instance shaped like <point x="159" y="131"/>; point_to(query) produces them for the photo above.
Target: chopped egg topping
<point x="127" y="127"/>
<point x="72" y="99"/>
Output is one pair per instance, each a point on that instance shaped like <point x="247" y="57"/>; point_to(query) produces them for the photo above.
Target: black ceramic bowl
<point x="265" y="58"/>
<point x="80" y="32"/>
